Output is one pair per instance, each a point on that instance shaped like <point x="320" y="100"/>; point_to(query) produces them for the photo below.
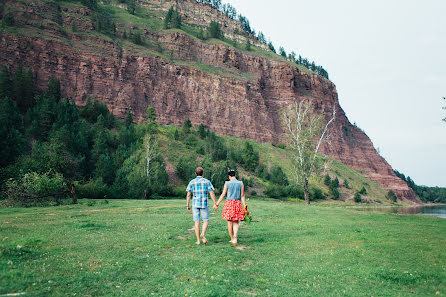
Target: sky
<point x="388" y="61"/>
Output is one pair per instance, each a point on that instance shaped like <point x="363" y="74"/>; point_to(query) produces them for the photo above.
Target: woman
<point x="233" y="208"/>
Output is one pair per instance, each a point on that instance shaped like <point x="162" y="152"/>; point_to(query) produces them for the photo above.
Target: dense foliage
<point x="426" y="194"/>
<point x="41" y="133"/>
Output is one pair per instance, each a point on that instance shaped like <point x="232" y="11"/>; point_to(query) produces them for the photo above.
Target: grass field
<point x="146" y="248"/>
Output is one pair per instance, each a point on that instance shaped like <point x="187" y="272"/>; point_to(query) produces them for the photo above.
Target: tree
<point x="261" y="37"/>
<point x="172" y="19"/>
<point x="271" y="47"/>
<point x="10" y="137"/>
<point x="278" y="176"/>
<point x="391" y="196"/>
<point x="202" y="131"/>
<point x="282" y="51"/>
<point x="92" y="4"/>
<point x="248" y="44"/>
<point x="151" y="119"/>
<point x="131" y="6"/>
<point x="250" y="158"/>
<point x="444" y="119"/>
<point x="327" y="180"/>
<point x="53" y="90"/>
<point x="363" y="191"/>
<point x="358" y="198"/>
<point x="5" y="84"/>
<point x="214" y="30"/>
<point x="306" y="134"/>
<point x="186" y="126"/>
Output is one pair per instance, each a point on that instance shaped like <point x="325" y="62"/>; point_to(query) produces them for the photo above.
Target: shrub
<point x="191" y="140"/>
<point x="363" y="191"/>
<point x="358" y="198"/>
<point x="335" y="193"/>
<point x="215" y="31"/>
<point x="293" y="191"/>
<point x="93" y="189"/>
<point x="327" y="180"/>
<point x="391" y="196"/>
<point x="35" y="189"/>
<point x="186" y="126"/>
<point x="275" y="191"/>
<point x="335" y="183"/>
<point x="278" y="176"/>
<point x="253" y="193"/>
<point x="316" y="194"/>
<point x="185" y="168"/>
<point x="347" y="185"/>
<point x="8" y="19"/>
<point x="172" y="19"/>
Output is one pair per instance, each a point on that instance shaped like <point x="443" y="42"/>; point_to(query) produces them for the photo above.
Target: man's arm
<point x="188" y="200"/>
<point x="213" y="197"/>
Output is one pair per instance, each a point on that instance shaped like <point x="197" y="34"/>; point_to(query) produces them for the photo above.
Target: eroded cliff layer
<point x="229" y="90"/>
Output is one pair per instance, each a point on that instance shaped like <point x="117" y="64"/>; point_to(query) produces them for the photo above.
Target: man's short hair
<point x="231" y="172"/>
<point x="199" y="171"/>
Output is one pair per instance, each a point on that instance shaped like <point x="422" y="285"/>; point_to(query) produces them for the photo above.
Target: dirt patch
<point x="171" y="172"/>
<point x="241" y="247"/>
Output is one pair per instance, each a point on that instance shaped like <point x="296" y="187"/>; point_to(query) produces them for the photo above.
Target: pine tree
<point x="248" y="45"/>
<point x="215" y="31"/>
<point x="131" y="6"/>
<point x="11" y="140"/>
<point x="202" y="131"/>
<point x="53" y="90"/>
<point x="5" y="84"/>
<point x="282" y="51"/>
<point x="187" y="126"/>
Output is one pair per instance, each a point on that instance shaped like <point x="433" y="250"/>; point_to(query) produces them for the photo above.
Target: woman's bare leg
<point x="236" y="226"/>
<point x="230" y="229"/>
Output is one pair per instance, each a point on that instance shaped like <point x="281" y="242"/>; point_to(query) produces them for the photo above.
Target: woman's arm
<point x="243" y="195"/>
<point x="223" y="194"/>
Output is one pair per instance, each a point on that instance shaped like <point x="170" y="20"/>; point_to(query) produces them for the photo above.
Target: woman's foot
<point x="205" y="241"/>
<point x="197" y="242"/>
<point x="233" y="241"/>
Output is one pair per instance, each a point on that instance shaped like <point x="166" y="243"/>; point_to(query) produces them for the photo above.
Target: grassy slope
<point x="271" y="155"/>
<point x="139" y="248"/>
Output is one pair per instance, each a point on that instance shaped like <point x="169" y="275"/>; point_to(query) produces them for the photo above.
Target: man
<point x="199" y="188"/>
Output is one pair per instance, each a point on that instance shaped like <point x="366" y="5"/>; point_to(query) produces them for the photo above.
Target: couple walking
<point x="233" y="212"/>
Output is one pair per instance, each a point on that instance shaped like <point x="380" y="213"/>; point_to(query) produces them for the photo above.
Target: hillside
<point x="129" y="61"/>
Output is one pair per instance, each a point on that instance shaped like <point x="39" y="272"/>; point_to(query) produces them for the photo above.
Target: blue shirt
<point x="234" y="189"/>
<point x="199" y="187"/>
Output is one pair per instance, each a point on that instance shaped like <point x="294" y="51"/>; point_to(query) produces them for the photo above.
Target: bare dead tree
<point x="444" y="107"/>
<point x="306" y="132"/>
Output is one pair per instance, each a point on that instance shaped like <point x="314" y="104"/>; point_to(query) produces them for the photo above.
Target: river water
<point x="432" y="210"/>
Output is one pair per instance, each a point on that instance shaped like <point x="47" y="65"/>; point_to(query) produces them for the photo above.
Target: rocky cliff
<point x="230" y="90"/>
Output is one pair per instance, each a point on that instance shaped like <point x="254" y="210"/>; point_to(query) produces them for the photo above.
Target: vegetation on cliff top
<point x="134" y="20"/>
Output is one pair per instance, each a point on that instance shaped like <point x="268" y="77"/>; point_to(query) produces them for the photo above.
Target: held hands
<point x="215" y="206"/>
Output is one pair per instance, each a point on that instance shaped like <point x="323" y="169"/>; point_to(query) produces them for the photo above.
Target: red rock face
<point x="238" y="94"/>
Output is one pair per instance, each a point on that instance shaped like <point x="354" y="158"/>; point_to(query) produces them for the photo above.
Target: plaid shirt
<point x="200" y="187"/>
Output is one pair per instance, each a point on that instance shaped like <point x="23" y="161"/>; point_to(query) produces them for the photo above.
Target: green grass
<point x="144" y="248"/>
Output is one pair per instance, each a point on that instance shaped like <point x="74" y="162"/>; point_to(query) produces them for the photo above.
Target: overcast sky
<point x="388" y="61"/>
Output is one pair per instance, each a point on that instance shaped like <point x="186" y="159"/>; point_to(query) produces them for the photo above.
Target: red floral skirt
<point x="233" y="210"/>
